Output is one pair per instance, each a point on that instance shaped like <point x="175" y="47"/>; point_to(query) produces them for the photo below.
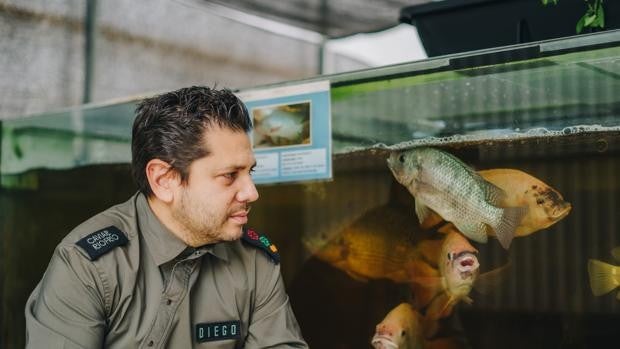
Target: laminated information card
<point x="292" y="132"/>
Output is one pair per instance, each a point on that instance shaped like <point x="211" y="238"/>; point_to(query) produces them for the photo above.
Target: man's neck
<point x="163" y="212"/>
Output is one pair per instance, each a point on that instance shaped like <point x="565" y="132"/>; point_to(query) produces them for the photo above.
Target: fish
<point x="604" y="277"/>
<point x="405" y="328"/>
<point x="439" y="289"/>
<point x="281" y="127"/>
<point x="442" y="183"/>
<point x="400" y="329"/>
<point x="545" y="205"/>
<point x="378" y="245"/>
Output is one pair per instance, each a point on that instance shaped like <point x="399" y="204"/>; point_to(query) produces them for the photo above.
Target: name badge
<point x="216" y="331"/>
<point x="102" y="241"/>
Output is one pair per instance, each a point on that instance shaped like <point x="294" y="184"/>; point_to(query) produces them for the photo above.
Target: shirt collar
<point x="218" y="250"/>
<point x="162" y="243"/>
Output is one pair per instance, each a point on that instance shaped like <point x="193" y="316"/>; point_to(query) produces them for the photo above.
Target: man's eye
<point x="231" y="175"/>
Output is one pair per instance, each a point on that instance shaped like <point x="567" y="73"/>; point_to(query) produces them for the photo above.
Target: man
<point x="173" y="267"/>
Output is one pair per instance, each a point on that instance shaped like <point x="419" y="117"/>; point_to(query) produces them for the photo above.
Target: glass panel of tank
<point x="359" y="265"/>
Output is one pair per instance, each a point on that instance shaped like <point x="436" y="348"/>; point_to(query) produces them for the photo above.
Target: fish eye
<point x="401" y="158"/>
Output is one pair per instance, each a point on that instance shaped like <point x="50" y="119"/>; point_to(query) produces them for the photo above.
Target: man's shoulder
<point x="258" y="259"/>
<point x="108" y="230"/>
<point x="259" y="241"/>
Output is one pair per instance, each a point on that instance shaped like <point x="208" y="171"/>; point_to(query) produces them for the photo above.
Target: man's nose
<point x="248" y="192"/>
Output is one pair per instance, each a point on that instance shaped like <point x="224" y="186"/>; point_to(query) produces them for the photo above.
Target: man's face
<point x="214" y="203"/>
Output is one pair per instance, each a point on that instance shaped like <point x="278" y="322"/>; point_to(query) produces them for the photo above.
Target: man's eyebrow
<point x="236" y="167"/>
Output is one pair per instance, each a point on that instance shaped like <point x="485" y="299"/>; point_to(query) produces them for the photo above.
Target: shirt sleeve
<point x="273" y="324"/>
<point x="67" y="308"/>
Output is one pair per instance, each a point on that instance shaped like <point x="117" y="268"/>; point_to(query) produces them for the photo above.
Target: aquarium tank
<point x="473" y="201"/>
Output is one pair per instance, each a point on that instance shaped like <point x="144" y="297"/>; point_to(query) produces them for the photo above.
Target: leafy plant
<point x="593" y="18"/>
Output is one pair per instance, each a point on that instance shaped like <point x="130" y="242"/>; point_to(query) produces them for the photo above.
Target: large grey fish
<point x="446" y="185"/>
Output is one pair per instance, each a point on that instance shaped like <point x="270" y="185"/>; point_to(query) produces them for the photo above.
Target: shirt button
<point x="150" y="343"/>
<point x="168" y="301"/>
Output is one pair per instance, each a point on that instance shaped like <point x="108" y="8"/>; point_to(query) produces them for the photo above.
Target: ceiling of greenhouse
<point x="332" y="18"/>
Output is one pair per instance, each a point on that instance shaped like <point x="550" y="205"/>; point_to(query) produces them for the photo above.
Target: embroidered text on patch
<point x="102" y="241"/>
<point x="216" y="331"/>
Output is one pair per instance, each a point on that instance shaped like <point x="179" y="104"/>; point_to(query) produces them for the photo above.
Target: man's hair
<point x="171" y="126"/>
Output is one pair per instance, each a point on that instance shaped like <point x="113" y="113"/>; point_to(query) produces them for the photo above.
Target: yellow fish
<point x="442" y="183"/>
<point x="440" y="289"/>
<point x="379" y="245"/>
<point x="405" y="328"/>
<point x="546" y="206"/>
<point x="604" y="277"/>
<point x="400" y="329"/>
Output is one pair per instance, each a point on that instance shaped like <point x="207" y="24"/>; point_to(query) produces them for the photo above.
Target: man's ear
<point x="162" y="179"/>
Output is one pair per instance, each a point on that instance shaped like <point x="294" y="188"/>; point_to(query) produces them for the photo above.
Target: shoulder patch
<point x="262" y="242"/>
<point x="102" y="241"/>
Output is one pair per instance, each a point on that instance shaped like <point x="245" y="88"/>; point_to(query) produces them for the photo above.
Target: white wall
<point x="141" y="46"/>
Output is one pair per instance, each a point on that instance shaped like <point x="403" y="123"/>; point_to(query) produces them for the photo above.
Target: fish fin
<point x="505" y="230"/>
<point x="490" y="280"/>
<point x="440" y="307"/>
<point x="603" y="277"/>
<point x="476" y="231"/>
<point x="494" y="194"/>
<point x="468" y="300"/>
<point x="422" y="211"/>
<point x="472" y="171"/>
<point x="616" y="253"/>
<point x="431" y="221"/>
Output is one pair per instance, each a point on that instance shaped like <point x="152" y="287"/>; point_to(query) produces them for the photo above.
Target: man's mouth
<point x="240" y="217"/>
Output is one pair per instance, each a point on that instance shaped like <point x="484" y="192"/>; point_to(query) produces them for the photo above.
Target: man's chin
<point x="232" y="233"/>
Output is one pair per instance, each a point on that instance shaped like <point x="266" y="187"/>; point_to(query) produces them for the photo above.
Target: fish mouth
<point x="383" y="342"/>
<point x="553" y="203"/>
<point x="391" y="162"/>
<point x="561" y="211"/>
<point x="466" y="263"/>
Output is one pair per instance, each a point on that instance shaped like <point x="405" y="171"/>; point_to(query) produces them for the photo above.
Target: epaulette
<point x="102" y="241"/>
<point x="262" y="242"/>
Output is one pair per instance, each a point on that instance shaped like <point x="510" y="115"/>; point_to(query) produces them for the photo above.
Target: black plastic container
<point x="452" y="26"/>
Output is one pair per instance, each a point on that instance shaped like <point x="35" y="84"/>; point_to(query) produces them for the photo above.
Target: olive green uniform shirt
<point x="156" y="292"/>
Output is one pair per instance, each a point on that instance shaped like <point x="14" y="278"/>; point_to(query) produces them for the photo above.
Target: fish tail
<point x="603" y="277"/>
<point x="505" y="230"/>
